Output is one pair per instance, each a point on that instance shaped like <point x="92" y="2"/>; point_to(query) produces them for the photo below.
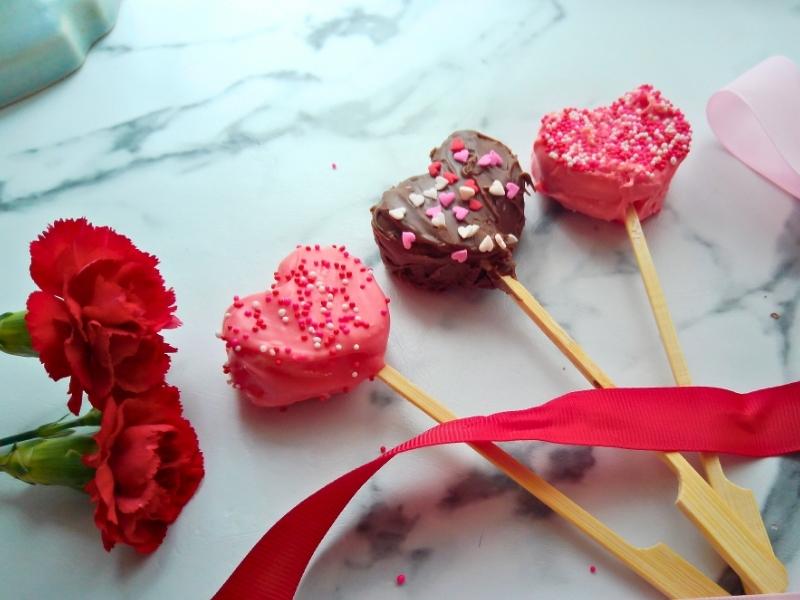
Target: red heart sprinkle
<point x="471" y="183"/>
<point x="434" y="168"/>
<point x="457" y="144"/>
<point x="450" y="176"/>
<point x="475" y="204"/>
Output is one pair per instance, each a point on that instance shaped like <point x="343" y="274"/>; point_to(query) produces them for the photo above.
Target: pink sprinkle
<point x="460" y="212"/>
<point x="433" y="211"/>
<point x="459" y="256"/>
<point x="333" y="166"/>
<point x="461" y="156"/>
<point x="400" y="579"/>
<point x="592" y="569"/>
<point x="495" y="159"/>
<point x="511" y="189"/>
<point x="446" y="198"/>
<point x="408" y="239"/>
<point x="485" y="160"/>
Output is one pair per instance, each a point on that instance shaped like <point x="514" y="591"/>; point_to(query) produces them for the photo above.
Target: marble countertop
<point x="206" y="131"/>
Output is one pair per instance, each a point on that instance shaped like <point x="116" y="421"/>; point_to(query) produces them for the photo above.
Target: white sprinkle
<point x="338" y="346"/>
<point x="430" y="193"/>
<point x="345" y="281"/>
<point x="416" y="199"/>
<point x="227" y="315"/>
<point x="255" y="304"/>
<point x="285" y="319"/>
<point x="441" y="183"/>
<point x="312" y="275"/>
<point x="486" y="245"/>
<point x="438" y="220"/>
<point x="465" y="192"/>
<point x="262" y="348"/>
<point x="237" y="349"/>
<point x="553" y="155"/>
<point x="281" y="312"/>
<point x="673" y="161"/>
<point x="272" y="352"/>
<point x="500" y="241"/>
<point x="329" y="325"/>
<point x="356" y="310"/>
<point x="316" y="339"/>
<point x="467" y="231"/>
<point x="311" y="329"/>
<point x="511" y="238"/>
<point x="354" y="374"/>
<point x="330" y="296"/>
<point x="497" y="189"/>
<point x="317" y="345"/>
<point x="356" y="347"/>
<point x="398" y="213"/>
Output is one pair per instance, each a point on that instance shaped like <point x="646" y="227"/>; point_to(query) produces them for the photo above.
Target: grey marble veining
<point x="207" y="132"/>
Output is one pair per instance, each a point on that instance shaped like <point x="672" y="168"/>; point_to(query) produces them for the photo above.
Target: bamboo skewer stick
<point x="713" y="517"/>
<point x="659" y="565"/>
<point x="740" y="499"/>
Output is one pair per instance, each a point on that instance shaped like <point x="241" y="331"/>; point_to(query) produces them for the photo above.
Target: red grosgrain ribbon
<point x="761" y="423"/>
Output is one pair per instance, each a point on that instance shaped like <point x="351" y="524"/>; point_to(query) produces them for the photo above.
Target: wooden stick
<point x="659" y="565"/>
<point x="718" y="523"/>
<point x="740" y="499"/>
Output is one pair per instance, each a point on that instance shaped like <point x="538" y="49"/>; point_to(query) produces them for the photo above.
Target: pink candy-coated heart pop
<point x="599" y="162"/>
<point x="320" y="329"/>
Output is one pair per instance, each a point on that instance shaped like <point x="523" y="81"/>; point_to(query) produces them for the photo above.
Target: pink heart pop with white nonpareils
<point x="601" y="161"/>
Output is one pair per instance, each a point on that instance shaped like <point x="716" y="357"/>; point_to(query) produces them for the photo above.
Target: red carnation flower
<point x="148" y="466"/>
<point x="97" y="317"/>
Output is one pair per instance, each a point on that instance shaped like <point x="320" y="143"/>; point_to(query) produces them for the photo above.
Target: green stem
<point x="90" y="419"/>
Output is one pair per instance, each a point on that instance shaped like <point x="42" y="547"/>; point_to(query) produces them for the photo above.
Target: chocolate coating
<point x="429" y="261"/>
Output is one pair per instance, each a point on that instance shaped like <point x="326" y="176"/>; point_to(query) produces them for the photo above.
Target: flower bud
<point x="54" y="461"/>
<point x="14" y="337"/>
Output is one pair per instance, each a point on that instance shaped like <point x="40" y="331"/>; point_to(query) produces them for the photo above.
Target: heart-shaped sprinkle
<point x="440" y="183"/>
<point x="450" y="176"/>
<point x="416" y="200"/>
<point x="438" y="220"/>
<point x="457" y="144"/>
<point x="433" y="210"/>
<point x="511" y="189"/>
<point x="486" y="245"/>
<point x="465" y="192"/>
<point x="511" y="238"/>
<point x="430" y="193"/>
<point x="462" y="156"/>
<point x="446" y="198"/>
<point x="500" y="241"/>
<point x="434" y="168"/>
<point x="408" y="239"/>
<point x="460" y="212"/>
<point x="459" y="256"/>
<point x="497" y="189"/>
<point x="475" y="204"/>
<point x="398" y="213"/>
<point x="471" y="183"/>
<point x="467" y="231"/>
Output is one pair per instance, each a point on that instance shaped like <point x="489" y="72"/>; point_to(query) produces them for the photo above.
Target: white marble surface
<point x="206" y="130"/>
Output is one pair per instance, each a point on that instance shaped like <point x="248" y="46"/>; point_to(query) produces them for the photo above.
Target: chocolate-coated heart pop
<point x="322" y="328"/>
<point x="616" y="163"/>
<point x="458" y="224"/>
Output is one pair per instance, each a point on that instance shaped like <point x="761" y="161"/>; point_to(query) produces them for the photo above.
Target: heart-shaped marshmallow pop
<point x="464" y="233"/>
<point x="599" y="162"/>
<point x="319" y="330"/>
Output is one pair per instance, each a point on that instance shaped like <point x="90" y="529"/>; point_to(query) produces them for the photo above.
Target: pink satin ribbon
<point x="757" y="118"/>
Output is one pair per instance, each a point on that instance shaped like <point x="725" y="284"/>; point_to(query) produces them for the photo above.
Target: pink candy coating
<point x="599" y="162"/>
<point x="321" y="329"/>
